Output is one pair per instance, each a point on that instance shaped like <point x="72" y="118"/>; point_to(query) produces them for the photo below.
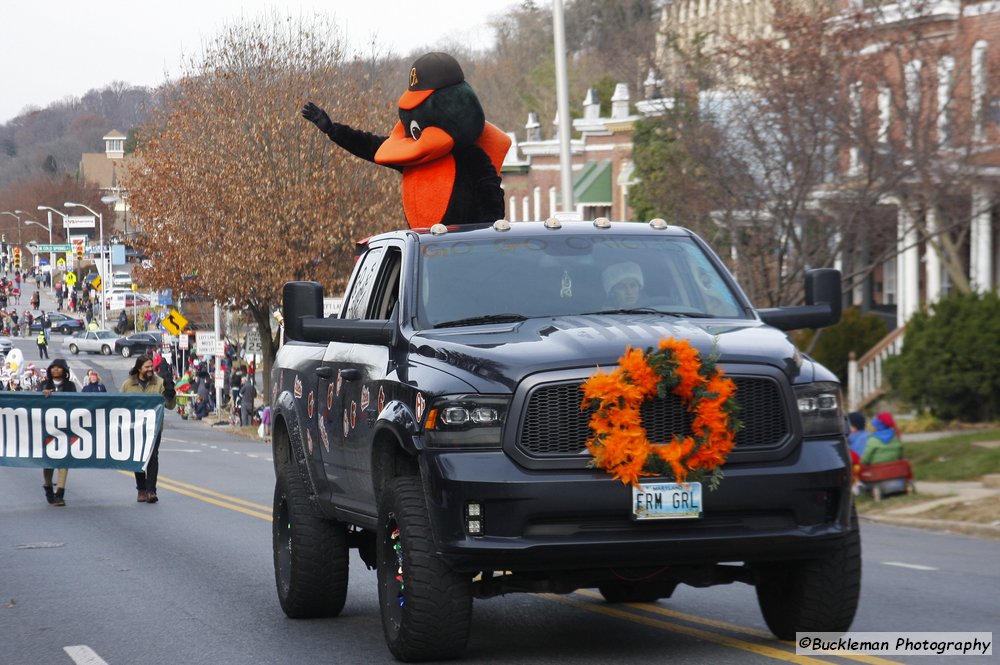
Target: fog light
<point x="473" y="519"/>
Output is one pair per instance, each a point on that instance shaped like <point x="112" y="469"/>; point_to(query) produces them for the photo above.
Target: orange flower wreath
<point x="619" y="443"/>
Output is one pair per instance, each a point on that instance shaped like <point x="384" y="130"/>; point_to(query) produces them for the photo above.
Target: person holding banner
<point x="142" y="379"/>
<point x="56" y="379"/>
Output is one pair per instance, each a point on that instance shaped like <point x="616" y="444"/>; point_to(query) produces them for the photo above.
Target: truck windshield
<point x="462" y="281"/>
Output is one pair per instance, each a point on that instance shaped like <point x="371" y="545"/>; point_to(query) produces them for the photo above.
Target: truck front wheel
<point x="426" y="607"/>
<point x="310" y="553"/>
<point x="813" y="595"/>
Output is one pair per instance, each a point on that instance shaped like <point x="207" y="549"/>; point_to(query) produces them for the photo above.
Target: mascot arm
<point x="486" y="183"/>
<point x="358" y="143"/>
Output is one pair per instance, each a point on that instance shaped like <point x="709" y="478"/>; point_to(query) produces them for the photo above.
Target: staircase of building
<point x="865" y="379"/>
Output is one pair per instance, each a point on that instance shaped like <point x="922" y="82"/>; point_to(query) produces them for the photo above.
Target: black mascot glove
<point x="168" y="389"/>
<point x="318" y="117"/>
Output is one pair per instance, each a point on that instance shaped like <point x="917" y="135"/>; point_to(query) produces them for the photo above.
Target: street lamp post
<point x="104" y="265"/>
<point x="52" y="267"/>
<point x="18" y="223"/>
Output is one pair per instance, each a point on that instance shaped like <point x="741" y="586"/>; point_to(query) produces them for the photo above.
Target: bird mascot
<point x="448" y="154"/>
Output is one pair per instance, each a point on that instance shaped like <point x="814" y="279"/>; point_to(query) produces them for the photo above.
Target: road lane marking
<point x="208" y="496"/>
<point x="84" y="655"/>
<point x="717" y="638"/>
<point x="911" y="566"/>
<point x="764" y="650"/>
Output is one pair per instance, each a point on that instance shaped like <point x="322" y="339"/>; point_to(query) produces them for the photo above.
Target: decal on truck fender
<point x="298" y="388"/>
<point x="311" y="405"/>
<point x="365" y="398"/>
<point x="354" y="414"/>
<point x="347" y="424"/>
<point x="329" y="398"/>
<point x="340" y="380"/>
<point x="420" y="404"/>
<point x="309" y="441"/>
<point x="324" y="436"/>
<point x="381" y="398"/>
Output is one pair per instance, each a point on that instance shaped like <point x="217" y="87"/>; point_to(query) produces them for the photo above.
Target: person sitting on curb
<point x="883" y="444"/>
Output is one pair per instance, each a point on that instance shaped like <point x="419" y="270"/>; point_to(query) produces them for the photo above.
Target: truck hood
<point x="496" y="357"/>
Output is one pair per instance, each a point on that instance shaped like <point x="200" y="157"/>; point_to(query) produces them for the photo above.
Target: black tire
<point x="426" y="609"/>
<point x="818" y="595"/>
<point x="631" y="592"/>
<point x="106" y="350"/>
<point x="74" y="349"/>
<point x="126" y="351"/>
<point x="311" y="561"/>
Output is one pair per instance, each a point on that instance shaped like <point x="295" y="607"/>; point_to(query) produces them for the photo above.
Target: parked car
<point x="121" y="279"/>
<point x="62" y="323"/>
<point x="121" y="299"/>
<point x="139" y="343"/>
<point x="6" y="344"/>
<point x="91" y="341"/>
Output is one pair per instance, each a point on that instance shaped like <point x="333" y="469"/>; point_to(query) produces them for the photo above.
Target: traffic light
<point x="17" y="258"/>
<point x="79" y="251"/>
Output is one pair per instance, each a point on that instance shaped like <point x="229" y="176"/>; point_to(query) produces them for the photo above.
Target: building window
<point x="854" y="155"/>
<point x="978" y="89"/>
<point x="946" y="69"/>
<point x="889" y="282"/>
<point x="912" y="84"/>
<point x="884" y="112"/>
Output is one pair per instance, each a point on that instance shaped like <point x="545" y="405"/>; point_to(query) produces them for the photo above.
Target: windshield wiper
<point x="653" y="310"/>
<point x="476" y="320"/>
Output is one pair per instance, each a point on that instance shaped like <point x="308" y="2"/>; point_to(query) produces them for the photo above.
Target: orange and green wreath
<point x="619" y="443"/>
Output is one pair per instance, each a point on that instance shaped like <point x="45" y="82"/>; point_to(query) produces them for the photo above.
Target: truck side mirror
<point x="823" y="304"/>
<point x="299" y="300"/>
<point x="823" y="288"/>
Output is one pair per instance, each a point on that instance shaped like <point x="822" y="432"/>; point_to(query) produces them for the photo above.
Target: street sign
<point x="78" y="222"/>
<point x="96" y="282"/>
<point x="253" y="341"/>
<point x="183" y="342"/>
<point x="54" y="248"/>
<point x="70" y="278"/>
<point x="205" y="341"/>
<point x="174" y="322"/>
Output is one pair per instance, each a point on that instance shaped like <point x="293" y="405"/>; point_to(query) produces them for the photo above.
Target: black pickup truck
<point x="435" y="425"/>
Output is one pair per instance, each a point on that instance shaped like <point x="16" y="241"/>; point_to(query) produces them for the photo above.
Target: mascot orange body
<point x="448" y="154"/>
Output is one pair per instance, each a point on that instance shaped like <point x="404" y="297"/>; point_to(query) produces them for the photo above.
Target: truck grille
<point x="555" y="426"/>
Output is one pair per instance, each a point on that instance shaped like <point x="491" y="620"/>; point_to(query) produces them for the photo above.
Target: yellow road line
<point x="736" y="628"/>
<point x="718" y="638"/>
<point x="207" y="496"/>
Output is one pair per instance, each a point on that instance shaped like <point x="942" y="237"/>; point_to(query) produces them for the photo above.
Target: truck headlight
<point x="466" y="421"/>
<point x="821" y="408"/>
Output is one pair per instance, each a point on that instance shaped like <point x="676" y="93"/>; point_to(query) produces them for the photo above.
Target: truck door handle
<point x="350" y="374"/>
<point x="324" y="373"/>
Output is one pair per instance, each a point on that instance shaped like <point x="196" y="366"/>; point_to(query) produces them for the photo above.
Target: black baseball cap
<point x="430" y="72"/>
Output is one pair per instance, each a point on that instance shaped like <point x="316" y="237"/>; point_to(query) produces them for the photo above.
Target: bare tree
<point x="235" y="194"/>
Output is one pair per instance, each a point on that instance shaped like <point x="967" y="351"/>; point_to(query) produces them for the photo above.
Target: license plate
<point x="666" y="501"/>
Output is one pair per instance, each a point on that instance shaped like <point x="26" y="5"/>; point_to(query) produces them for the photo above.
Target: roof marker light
<point x="602" y="223"/>
<point x="658" y="223"/>
<point x="439" y="230"/>
<point x="553" y="223"/>
<point x="501" y="225"/>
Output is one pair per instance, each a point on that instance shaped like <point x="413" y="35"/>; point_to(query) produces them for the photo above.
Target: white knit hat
<point x="614" y="274"/>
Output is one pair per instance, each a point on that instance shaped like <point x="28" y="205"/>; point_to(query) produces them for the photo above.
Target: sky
<point x="54" y="49"/>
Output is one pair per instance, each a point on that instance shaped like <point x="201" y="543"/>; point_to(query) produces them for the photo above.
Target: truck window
<point x="364" y="284"/>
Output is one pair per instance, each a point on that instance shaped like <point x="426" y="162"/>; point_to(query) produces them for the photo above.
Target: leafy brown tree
<point x="235" y="194"/>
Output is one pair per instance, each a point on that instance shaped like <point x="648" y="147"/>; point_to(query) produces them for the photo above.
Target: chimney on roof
<point x="533" y="128"/>
<point x="619" y="101"/>
<point x="591" y="105"/>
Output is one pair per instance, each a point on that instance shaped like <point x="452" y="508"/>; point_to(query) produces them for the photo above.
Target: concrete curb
<point x="950" y="526"/>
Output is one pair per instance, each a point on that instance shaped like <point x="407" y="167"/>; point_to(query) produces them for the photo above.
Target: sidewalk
<point x="954" y="499"/>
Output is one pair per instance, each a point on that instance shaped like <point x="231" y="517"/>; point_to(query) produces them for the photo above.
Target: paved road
<point x="189" y="580"/>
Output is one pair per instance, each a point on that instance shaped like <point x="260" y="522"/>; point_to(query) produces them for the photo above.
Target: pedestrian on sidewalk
<point x="56" y="379"/>
<point x="142" y="379"/>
